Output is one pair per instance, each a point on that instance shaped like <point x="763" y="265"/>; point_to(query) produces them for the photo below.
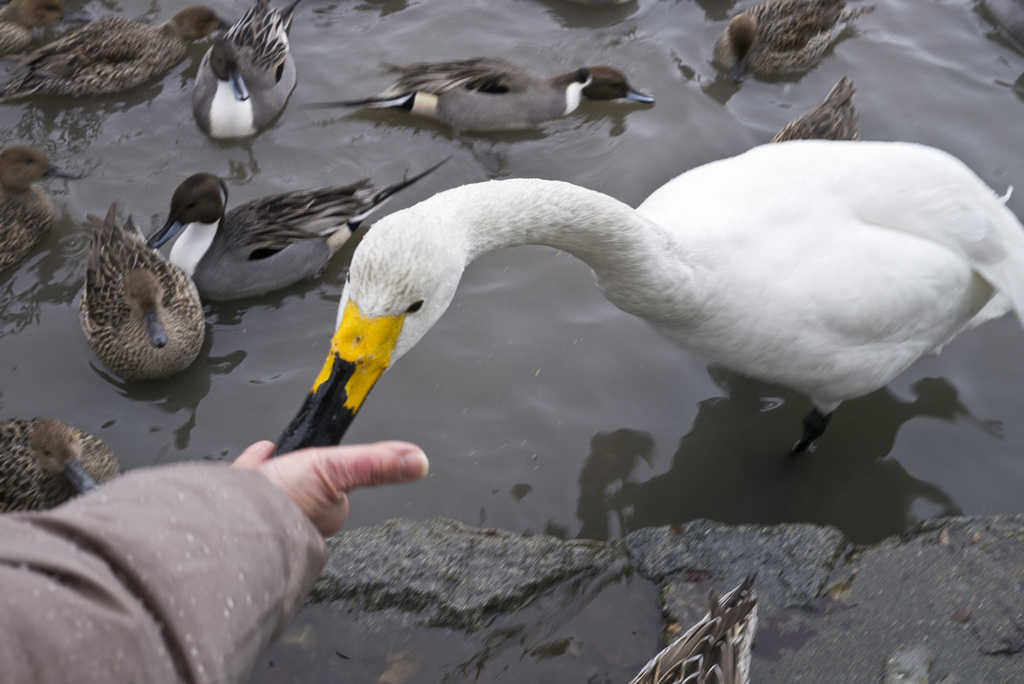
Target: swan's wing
<point x="903" y="187"/>
<point x="931" y="194"/>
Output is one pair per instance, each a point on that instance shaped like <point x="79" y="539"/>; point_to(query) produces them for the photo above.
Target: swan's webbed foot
<point x="815" y="423"/>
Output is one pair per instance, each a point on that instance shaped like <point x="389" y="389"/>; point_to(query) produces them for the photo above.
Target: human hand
<point x="316" y="479"/>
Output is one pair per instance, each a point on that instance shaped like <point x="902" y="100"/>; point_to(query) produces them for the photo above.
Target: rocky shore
<point x="943" y="602"/>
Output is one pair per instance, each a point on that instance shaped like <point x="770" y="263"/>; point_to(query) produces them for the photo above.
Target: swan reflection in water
<point x="849" y="483"/>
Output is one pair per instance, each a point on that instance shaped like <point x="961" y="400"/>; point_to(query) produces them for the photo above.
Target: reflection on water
<point x="558" y="636"/>
<point x="715" y="474"/>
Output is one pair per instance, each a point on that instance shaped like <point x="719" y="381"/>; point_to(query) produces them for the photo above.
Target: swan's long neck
<point x="640" y="266"/>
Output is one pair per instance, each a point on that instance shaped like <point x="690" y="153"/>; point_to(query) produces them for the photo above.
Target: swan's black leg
<point x="815" y="423"/>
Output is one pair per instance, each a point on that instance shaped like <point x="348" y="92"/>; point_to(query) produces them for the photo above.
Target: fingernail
<point x="415" y="464"/>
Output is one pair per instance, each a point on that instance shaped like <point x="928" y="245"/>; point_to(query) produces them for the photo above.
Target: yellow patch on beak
<point x="366" y="343"/>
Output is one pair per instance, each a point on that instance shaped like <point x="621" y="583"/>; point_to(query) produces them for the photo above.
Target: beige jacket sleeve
<point x="182" y="573"/>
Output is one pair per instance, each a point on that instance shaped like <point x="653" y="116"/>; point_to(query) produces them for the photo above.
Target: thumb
<point x="254" y="455"/>
<point x="370" y="465"/>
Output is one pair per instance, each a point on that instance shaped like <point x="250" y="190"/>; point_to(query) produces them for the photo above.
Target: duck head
<point x="35" y="13"/>
<point x="200" y="198"/>
<point x="144" y="295"/>
<point x="22" y="165"/>
<point x="400" y="283"/>
<point x="197" y="21"/>
<point x="742" y="35"/>
<point x="608" y="83"/>
<point x="224" y="64"/>
<point x="59" y="450"/>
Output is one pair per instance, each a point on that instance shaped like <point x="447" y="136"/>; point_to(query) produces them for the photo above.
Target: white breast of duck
<point x="229" y="116"/>
<point x="192" y="245"/>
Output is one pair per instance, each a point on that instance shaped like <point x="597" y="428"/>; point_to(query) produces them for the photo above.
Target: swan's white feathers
<point x="828" y="267"/>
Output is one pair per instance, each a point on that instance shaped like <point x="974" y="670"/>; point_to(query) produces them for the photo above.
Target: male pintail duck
<point x="26" y="213"/>
<point x="781" y="36"/>
<point x="731" y="260"/>
<point x="109" y="55"/>
<point x="20" y="17"/>
<point x="140" y="314"/>
<point x="44" y="463"/>
<point x="245" y="79"/>
<point x="716" y="650"/>
<point x="265" y="244"/>
<point x="834" y="119"/>
<point x="491" y="94"/>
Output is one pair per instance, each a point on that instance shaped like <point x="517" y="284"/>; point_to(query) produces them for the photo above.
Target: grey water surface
<point x="543" y="408"/>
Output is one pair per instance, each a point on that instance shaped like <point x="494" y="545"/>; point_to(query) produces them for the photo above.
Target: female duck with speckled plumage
<point x="781" y="36"/>
<point x="44" y="463"/>
<point x="109" y="55"/>
<point x="140" y="314"/>
<point x="26" y="213"/>
<point x="834" y="119"/>
<point x="20" y="17"/>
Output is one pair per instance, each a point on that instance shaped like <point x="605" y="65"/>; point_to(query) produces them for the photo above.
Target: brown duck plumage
<point x="33" y="457"/>
<point x="109" y="55"/>
<point x="140" y="313"/>
<point x="26" y="213"/>
<point x="834" y="119"/>
<point x="19" y="17"/>
<point x="714" y="651"/>
<point x="781" y="36"/>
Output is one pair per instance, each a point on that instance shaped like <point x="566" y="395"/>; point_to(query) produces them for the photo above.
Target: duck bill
<point x="157" y="336"/>
<point x="238" y="85"/>
<point x="78" y="477"/>
<point x="637" y="96"/>
<point x="57" y="172"/>
<point x="161" y="236"/>
<point x="739" y="66"/>
<point x="77" y="17"/>
<point x="361" y="350"/>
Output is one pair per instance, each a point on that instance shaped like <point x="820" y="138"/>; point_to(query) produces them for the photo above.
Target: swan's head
<point x="402" y="279"/>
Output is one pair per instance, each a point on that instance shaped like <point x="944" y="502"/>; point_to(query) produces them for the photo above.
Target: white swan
<point x="828" y="267"/>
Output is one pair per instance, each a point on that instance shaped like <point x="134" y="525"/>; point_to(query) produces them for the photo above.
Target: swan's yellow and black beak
<point x="361" y="350"/>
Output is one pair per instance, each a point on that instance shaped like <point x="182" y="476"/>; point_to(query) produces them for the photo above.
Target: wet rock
<point x="828" y="611"/>
<point x="450" y="574"/>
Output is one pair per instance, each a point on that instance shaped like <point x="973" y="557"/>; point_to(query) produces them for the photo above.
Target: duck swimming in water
<point x="825" y="266"/>
<point x="492" y="94"/>
<point x="109" y="55"/>
<point x="834" y="119"/>
<point x="20" y="17"/>
<point x="245" y="79"/>
<point x="779" y="37"/>
<point x="44" y="462"/>
<point x="26" y="213"/>
<point x="140" y="313"/>
<point x="268" y="243"/>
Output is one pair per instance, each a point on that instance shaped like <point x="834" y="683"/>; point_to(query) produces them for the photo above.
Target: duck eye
<point x="414" y="307"/>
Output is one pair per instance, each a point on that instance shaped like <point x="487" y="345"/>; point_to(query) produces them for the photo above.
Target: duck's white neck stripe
<point x="230" y="118"/>
<point x="573" y="93"/>
<point x="192" y="245"/>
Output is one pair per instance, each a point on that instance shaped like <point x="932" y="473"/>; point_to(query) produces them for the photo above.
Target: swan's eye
<point x="414" y="307"/>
